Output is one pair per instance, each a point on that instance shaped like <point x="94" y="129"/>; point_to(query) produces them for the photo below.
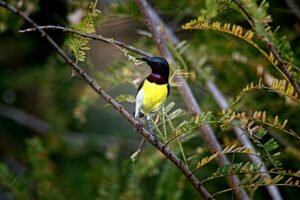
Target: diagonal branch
<point x="294" y="8"/>
<point x="155" y="26"/>
<point x="162" y="148"/>
<point x="282" y="65"/>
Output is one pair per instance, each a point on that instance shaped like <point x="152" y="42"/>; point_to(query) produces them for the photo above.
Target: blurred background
<point x="60" y="140"/>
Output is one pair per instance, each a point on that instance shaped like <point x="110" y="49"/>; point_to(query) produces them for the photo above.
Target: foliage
<point x="236" y="30"/>
<point x="12" y="183"/>
<point x="41" y="172"/>
<point x="40" y="175"/>
<point x="228" y="149"/>
<point x="78" y="44"/>
<point x="278" y="86"/>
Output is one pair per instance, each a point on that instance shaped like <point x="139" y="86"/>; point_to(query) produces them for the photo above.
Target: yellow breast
<point x="154" y="96"/>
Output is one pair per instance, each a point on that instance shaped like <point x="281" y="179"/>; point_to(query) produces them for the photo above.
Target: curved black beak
<point x="144" y="59"/>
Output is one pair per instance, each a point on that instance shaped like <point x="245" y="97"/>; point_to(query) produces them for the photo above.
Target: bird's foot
<point x="152" y="132"/>
<point x="139" y="126"/>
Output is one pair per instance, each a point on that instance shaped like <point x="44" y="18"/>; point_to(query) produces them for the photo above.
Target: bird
<point x="153" y="90"/>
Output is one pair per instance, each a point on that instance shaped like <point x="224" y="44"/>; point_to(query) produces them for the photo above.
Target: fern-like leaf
<point x="227" y="150"/>
<point x="256" y="132"/>
<point x="185" y="127"/>
<point x="79" y="44"/>
<point x="238" y="31"/>
<point x="193" y="123"/>
<point x="125" y="98"/>
<point x="237" y="168"/>
<point x="281" y="87"/>
<point x="13" y="183"/>
<point x="250" y="123"/>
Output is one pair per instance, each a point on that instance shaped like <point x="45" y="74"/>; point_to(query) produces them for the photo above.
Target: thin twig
<point x="169" y="154"/>
<point x="255" y="185"/>
<point x="87" y="35"/>
<point x="294" y="7"/>
<point x="155" y="26"/>
<point x="282" y="65"/>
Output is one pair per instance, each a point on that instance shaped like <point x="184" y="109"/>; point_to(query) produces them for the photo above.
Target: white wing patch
<point x="138" y="102"/>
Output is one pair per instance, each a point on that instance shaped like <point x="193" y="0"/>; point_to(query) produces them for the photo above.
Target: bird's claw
<point x="138" y="128"/>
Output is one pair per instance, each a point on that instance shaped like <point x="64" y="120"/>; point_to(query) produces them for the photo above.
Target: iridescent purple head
<point x="160" y="69"/>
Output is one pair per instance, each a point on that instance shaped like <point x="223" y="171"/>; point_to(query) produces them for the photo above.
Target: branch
<point x="162" y="148"/>
<point x="24" y="119"/>
<point x="294" y="7"/>
<point x="87" y="35"/>
<point x="282" y="65"/>
<point x="155" y="25"/>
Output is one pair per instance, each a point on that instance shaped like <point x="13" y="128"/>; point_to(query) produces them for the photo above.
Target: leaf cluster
<point x="78" y="44"/>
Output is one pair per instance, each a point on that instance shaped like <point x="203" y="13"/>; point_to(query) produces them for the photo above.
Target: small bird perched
<point x="153" y="90"/>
